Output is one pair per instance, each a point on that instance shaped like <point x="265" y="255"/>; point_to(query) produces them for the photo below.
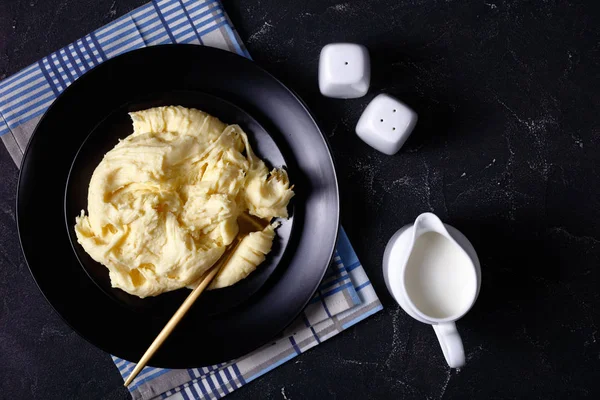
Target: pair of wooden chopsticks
<point x="183" y="309"/>
<point x="247" y="224"/>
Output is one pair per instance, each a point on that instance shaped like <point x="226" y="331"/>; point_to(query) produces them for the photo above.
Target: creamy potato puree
<point x="163" y="204"/>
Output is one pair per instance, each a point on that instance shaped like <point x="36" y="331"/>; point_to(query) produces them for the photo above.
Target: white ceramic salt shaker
<point x="344" y="70"/>
<point x="386" y="123"/>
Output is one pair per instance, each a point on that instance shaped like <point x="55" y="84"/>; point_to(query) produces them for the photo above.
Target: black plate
<point x="74" y="133"/>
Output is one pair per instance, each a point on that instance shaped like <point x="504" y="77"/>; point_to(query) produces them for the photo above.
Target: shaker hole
<point x="346" y="63"/>
<point x="380" y="120"/>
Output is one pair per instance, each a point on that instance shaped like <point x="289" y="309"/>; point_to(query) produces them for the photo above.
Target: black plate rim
<point x="301" y="102"/>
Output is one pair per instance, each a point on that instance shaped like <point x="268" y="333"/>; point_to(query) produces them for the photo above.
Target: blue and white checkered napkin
<point x="345" y="296"/>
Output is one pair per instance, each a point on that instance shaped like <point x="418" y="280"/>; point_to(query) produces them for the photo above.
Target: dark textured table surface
<point x="507" y="149"/>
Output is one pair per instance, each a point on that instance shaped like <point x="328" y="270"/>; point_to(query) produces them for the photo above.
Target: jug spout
<point x="429" y="222"/>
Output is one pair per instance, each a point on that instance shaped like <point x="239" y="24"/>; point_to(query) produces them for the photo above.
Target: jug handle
<point x="451" y="343"/>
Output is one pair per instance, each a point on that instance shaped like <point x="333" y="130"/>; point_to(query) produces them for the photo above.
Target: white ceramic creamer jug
<point x="433" y="272"/>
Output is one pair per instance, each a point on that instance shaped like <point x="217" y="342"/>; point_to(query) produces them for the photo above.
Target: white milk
<point x="439" y="277"/>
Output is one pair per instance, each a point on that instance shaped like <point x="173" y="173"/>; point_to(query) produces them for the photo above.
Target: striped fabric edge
<point x="3" y="126"/>
<point x="332" y="302"/>
<point x="12" y="146"/>
<point x="209" y="387"/>
<point x="28" y="93"/>
<point x="23" y="96"/>
<point x="336" y="279"/>
<point x="336" y="294"/>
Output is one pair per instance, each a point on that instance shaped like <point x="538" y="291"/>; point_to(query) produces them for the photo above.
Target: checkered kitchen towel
<point x="345" y="296"/>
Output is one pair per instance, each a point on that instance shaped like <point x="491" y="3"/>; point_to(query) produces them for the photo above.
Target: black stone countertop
<point x="507" y="149"/>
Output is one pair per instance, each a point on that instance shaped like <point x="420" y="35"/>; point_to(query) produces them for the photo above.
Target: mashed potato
<point x="163" y="204"/>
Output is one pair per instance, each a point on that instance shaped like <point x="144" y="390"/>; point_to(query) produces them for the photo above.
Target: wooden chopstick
<point x="183" y="309"/>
